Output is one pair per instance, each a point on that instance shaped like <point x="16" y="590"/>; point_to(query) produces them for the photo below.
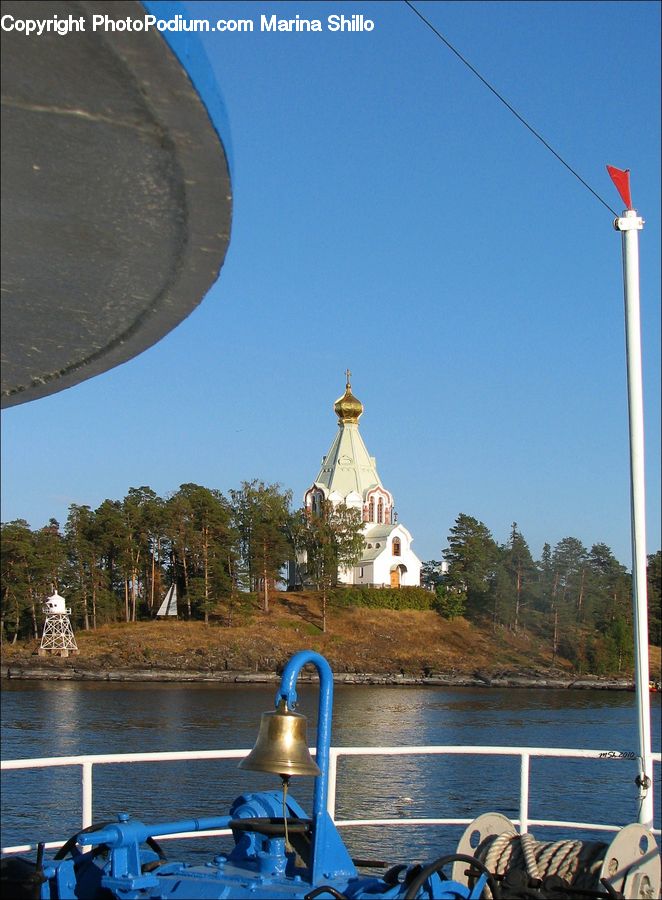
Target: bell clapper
<point x="286" y="784"/>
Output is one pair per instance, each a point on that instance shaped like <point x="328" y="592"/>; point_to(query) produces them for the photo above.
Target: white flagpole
<point x="630" y="224"/>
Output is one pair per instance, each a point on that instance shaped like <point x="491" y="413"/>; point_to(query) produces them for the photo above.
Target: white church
<point x="349" y="475"/>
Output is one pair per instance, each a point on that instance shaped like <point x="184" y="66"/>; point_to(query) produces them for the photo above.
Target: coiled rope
<point x="576" y="862"/>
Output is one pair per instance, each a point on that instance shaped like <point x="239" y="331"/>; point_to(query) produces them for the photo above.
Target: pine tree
<point x="17" y="561"/>
<point x="522" y="574"/>
<point x="472" y="557"/>
<point x="261" y="515"/>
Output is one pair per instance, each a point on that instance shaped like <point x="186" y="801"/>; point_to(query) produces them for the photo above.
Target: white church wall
<point x="364" y="574"/>
<point x="413" y="574"/>
<point x="406" y="560"/>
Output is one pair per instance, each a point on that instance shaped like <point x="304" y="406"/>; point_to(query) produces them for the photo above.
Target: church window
<point x="397" y="550"/>
<point x="380" y="510"/>
<point x="371" y="513"/>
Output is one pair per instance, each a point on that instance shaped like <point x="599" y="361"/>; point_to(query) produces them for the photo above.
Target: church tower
<point x="349" y="475"/>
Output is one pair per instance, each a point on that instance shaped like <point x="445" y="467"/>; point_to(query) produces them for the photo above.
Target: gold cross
<point x="349" y="375"/>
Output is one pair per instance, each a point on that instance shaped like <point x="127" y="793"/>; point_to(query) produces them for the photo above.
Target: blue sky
<point x="392" y="217"/>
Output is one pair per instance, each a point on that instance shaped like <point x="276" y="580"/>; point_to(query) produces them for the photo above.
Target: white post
<point x="524" y="794"/>
<point x="629" y="224"/>
<point x="332" y="783"/>
<point x="87" y="793"/>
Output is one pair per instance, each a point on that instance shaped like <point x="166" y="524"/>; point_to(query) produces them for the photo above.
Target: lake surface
<point x="52" y="718"/>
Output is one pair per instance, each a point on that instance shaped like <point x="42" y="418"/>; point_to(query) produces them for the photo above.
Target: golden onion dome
<point x="348" y="408"/>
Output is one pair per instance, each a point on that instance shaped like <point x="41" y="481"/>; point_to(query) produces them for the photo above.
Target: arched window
<point x="397" y="550"/>
<point x="371" y="513"/>
<point x="316" y="505"/>
<point x="380" y="510"/>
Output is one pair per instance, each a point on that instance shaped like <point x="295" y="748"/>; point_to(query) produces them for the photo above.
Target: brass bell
<point x="282" y="745"/>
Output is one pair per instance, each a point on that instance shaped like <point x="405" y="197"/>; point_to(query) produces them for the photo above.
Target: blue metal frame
<point x="287" y="691"/>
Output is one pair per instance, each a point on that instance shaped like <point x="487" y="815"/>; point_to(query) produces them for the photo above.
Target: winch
<point x="280" y="852"/>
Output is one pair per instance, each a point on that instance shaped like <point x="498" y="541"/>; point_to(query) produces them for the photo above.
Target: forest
<point x="115" y="563"/>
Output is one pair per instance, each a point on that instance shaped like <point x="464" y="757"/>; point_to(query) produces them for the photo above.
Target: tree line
<point x="578" y="599"/>
<point x="116" y="562"/>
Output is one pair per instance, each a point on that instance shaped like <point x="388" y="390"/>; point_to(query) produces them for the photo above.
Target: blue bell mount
<point x="281" y="748"/>
<point x="324" y="831"/>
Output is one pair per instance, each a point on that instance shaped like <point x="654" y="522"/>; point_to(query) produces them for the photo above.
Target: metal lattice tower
<point x="58" y="636"/>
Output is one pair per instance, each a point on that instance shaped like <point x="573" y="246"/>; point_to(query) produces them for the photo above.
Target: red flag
<point x="621" y="178"/>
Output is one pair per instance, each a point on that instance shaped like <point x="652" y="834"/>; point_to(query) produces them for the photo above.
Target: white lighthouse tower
<point x="58" y="636"/>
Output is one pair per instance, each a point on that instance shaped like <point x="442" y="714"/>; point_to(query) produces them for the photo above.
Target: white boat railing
<point x="525" y="754"/>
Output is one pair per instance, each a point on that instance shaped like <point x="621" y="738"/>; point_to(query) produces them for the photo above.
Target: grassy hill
<point x="357" y="640"/>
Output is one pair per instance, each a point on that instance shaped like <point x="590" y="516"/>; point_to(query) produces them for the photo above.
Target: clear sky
<point x="391" y="216"/>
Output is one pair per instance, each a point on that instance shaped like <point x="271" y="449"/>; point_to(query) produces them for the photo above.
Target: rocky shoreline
<point x="70" y="671"/>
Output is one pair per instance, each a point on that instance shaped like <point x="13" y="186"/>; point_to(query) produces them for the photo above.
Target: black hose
<point x="69" y="845"/>
<point x="417" y="883"/>
<point x="325" y="888"/>
<point x="271" y="826"/>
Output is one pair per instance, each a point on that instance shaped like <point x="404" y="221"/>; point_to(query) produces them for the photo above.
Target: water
<point x="68" y="718"/>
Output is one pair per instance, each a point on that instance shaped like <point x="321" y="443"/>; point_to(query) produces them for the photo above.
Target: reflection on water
<point x="67" y="718"/>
